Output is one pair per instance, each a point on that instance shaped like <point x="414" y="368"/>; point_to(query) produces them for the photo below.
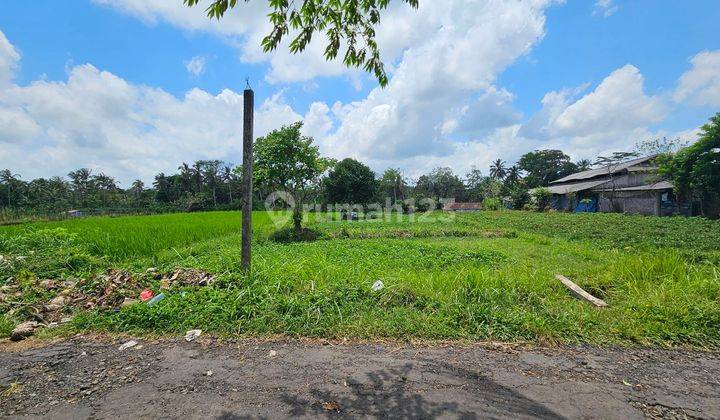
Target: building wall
<point x="605" y="205"/>
<point x="632" y="179"/>
<point x="630" y="202"/>
<point x="644" y="203"/>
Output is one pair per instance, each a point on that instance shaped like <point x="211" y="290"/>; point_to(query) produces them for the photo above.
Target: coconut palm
<point x="513" y="174"/>
<point x="226" y="175"/>
<point x="584" y="165"/>
<point x="186" y="177"/>
<point x="7" y="178"/>
<point x="498" y="170"/>
<point x="137" y="188"/>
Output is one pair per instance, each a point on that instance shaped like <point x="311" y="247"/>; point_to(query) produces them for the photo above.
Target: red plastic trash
<point x="146" y="295"/>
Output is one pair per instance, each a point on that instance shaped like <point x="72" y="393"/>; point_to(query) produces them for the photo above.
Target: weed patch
<point x="289" y="235"/>
<point x="479" y="276"/>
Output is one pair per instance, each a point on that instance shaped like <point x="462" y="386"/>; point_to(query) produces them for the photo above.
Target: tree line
<point x="286" y="160"/>
<point x="214" y="184"/>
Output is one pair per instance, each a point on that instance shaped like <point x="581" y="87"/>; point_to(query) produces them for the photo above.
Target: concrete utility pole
<point x="248" y="110"/>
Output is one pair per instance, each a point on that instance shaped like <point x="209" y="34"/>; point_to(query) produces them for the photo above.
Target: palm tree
<point x="197" y="175"/>
<point x="584" y="165"/>
<point x="227" y="177"/>
<point x="137" y="188"/>
<point x="7" y="178"/>
<point x="186" y="175"/>
<point x="104" y="187"/>
<point x="209" y="171"/>
<point x="80" y="181"/>
<point x="498" y="170"/>
<point x="162" y="188"/>
<point x="513" y="174"/>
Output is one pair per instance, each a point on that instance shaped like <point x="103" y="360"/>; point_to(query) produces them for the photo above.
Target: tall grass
<point x="479" y="276"/>
<point x="439" y="288"/>
<point x="119" y="238"/>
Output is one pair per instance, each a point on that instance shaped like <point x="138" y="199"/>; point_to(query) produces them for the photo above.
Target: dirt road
<point x="89" y="377"/>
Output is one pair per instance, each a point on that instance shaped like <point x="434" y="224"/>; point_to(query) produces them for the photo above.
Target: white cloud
<point x="9" y="59"/>
<point x="613" y="117"/>
<point x="701" y="84"/>
<point x="441" y="102"/>
<point x="196" y="66"/>
<point x="96" y="119"/>
<point x="401" y="28"/>
<point x="318" y="122"/>
<point x="687" y="136"/>
<point x="444" y="84"/>
<point x="499" y="143"/>
<point x="618" y="103"/>
<point x="245" y="26"/>
<point x="248" y="18"/>
<point x="605" y="8"/>
<point x="442" y="106"/>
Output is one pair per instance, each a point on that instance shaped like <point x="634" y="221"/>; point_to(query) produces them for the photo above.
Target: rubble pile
<point x="49" y="302"/>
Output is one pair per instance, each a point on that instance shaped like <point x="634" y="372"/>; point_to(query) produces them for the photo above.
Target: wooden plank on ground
<point x="579" y="292"/>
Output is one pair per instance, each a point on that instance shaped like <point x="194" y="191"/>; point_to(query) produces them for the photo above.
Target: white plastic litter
<point x="192" y="335"/>
<point x="129" y="344"/>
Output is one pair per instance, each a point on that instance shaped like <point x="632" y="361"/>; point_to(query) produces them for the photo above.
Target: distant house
<point x="74" y="213"/>
<point x="632" y="187"/>
<point x="462" y="207"/>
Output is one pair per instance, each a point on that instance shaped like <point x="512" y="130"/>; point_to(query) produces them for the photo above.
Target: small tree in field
<point x="287" y="160"/>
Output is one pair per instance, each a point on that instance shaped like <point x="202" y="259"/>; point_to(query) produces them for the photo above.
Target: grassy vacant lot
<point x="478" y="276"/>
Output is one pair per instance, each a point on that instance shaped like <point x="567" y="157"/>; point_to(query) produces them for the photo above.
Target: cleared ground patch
<point x="476" y="276"/>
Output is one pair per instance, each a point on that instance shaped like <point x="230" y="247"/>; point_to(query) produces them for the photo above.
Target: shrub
<point x="542" y="197"/>
<point x="290" y="235"/>
<point x="492" y="204"/>
<point x="520" y="196"/>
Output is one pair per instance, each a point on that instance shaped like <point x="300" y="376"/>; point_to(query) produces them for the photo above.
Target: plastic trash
<point x="192" y="335"/>
<point x="146" y="295"/>
<point x="156" y="299"/>
<point x="129" y="344"/>
<point x="377" y="286"/>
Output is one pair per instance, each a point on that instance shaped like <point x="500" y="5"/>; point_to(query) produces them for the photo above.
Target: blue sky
<point x="108" y="84"/>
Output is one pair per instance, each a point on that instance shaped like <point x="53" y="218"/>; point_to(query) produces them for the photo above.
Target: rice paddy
<point x="474" y="276"/>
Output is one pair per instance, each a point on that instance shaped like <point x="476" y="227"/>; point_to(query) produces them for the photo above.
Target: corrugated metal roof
<point x="580" y="186"/>
<point x="661" y="185"/>
<point x="605" y="170"/>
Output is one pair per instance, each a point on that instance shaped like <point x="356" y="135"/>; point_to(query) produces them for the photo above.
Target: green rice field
<point x="472" y="276"/>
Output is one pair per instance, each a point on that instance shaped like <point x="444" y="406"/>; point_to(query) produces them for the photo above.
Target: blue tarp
<point x="589" y="205"/>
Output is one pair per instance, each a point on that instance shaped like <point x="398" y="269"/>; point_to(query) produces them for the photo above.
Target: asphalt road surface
<point x="89" y="377"/>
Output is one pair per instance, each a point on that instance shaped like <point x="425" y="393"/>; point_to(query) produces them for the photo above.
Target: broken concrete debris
<point x="129" y="344"/>
<point x="24" y="330"/>
<point x="192" y="335"/>
<point x="113" y="289"/>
